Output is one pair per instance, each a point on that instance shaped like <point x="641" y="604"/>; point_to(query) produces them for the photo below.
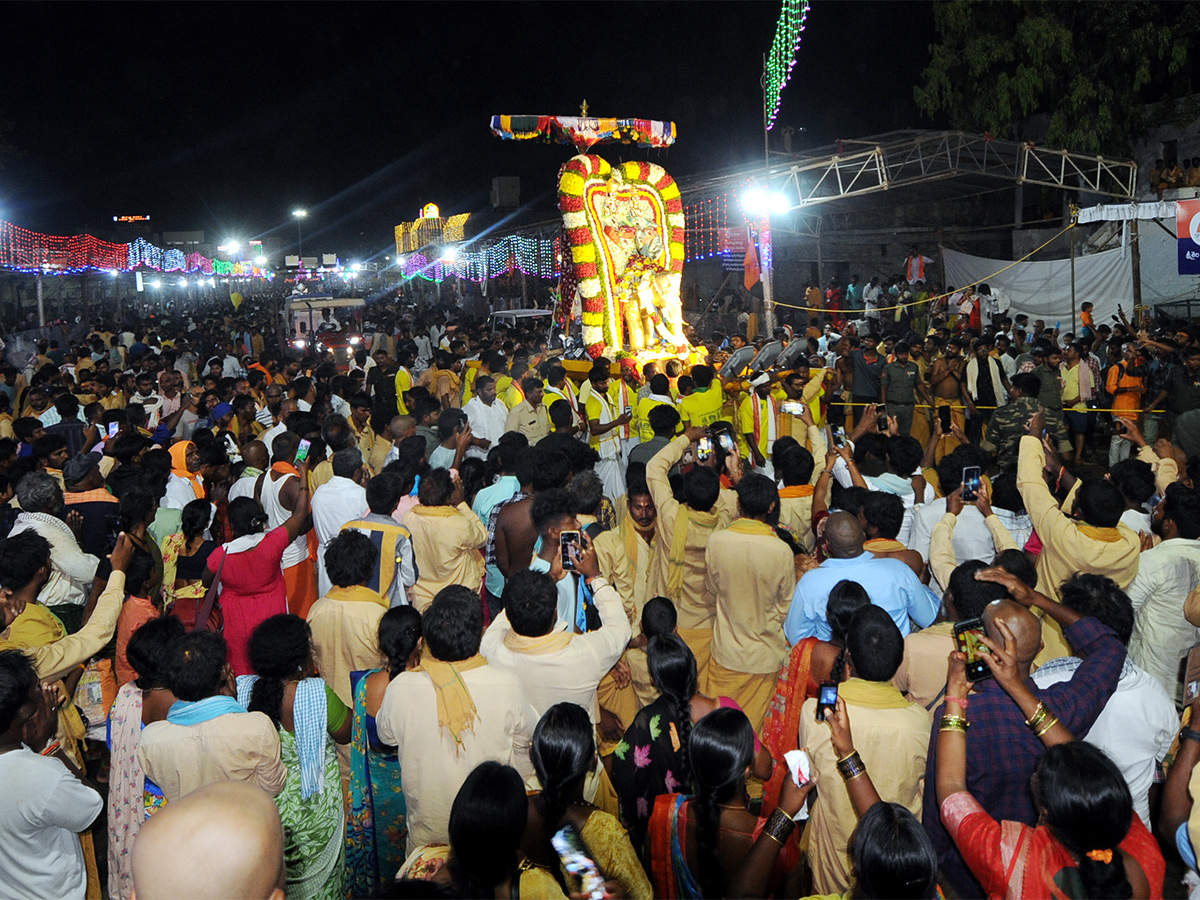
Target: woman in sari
<point x="132" y="797"/>
<point x="1087" y="843"/>
<point x="651" y="758"/>
<point x="563" y="752"/>
<point x="185" y="557"/>
<point x="252" y="585"/>
<point x="710" y="844"/>
<point x="810" y="663"/>
<point x="484" y="859"/>
<point x="376" y="829"/>
<point x="307" y="714"/>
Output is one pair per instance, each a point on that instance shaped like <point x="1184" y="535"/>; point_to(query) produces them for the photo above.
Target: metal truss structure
<point x="913" y="158"/>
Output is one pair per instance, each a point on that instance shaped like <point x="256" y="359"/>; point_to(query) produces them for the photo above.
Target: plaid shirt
<point x="1003" y="752"/>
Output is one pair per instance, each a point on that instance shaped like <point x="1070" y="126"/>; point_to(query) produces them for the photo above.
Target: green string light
<point x="783" y="53"/>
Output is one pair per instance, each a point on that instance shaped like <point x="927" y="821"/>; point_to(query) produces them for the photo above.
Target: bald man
<point x="1002" y="751"/>
<point x="891" y="584"/>
<point x="401" y="428"/>
<point x="223" y="840"/>
<point x="257" y="460"/>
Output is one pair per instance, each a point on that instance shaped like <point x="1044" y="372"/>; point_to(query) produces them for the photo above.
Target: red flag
<point x="752" y="273"/>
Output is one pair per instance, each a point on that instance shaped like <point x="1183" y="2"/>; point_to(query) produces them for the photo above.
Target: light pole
<point x="299" y="215"/>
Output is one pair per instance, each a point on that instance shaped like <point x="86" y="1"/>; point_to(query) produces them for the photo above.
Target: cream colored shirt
<point x="922" y="675"/>
<point x="345" y="638"/>
<point x="432" y="768"/>
<point x="446" y="549"/>
<point x="569" y="675"/>
<point x="942" y="557"/>
<point x="753" y="577"/>
<point x="531" y="422"/>
<point x="1162" y="635"/>
<point x="231" y="747"/>
<point x="893" y="743"/>
<point x="696" y="605"/>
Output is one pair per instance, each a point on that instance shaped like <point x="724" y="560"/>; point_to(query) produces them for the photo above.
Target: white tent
<point x="1042" y="289"/>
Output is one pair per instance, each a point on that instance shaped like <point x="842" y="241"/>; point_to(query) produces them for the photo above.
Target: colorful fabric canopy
<point x="585" y="132"/>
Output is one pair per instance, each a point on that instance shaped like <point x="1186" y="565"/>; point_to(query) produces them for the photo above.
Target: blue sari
<point x="376" y="827"/>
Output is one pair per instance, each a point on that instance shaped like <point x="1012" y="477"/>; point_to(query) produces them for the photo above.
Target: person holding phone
<point x="947" y="384"/>
<point x="892" y="737"/>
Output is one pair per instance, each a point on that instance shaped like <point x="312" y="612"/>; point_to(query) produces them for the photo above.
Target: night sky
<point x="225" y="117"/>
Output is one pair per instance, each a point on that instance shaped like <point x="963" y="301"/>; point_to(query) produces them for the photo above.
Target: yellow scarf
<point x="883" y="545"/>
<point x="35" y="627"/>
<point x="537" y="646"/>
<point x="455" y="708"/>
<point x="632" y="533"/>
<point x="796" y="490"/>
<point x="751" y="526"/>
<point x="872" y="694"/>
<point x="434" y="511"/>
<point x="678" y="557"/>
<point x="1106" y="535"/>
<point x="357" y="593"/>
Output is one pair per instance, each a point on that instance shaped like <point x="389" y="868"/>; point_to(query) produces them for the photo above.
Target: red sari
<point x="781" y="726"/>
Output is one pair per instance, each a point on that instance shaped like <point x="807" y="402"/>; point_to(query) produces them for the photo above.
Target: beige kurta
<point x="1068" y="546"/>
<point x="345" y="636"/>
<point x="232" y="747"/>
<point x="942" y="558"/>
<point x="892" y="737"/>
<point x="922" y="675"/>
<point x="531" y="422"/>
<point x="446" y="543"/>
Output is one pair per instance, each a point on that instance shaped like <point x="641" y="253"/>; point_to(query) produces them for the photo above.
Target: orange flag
<point x="752" y="273"/>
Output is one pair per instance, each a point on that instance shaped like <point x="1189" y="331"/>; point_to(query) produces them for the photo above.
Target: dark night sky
<point x="224" y="117"/>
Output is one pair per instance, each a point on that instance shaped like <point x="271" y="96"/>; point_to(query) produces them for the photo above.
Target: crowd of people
<point x="458" y="616"/>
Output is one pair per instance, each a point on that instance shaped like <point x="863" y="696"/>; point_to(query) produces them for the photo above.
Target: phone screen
<point x="792" y="407"/>
<point x="970" y="484"/>
<point x="826" y="699"/>
<point x="881" y="410"/>
<point x="944" y="415"/>
<point x="1191" y="681"/>
<point x="968" y="636"/>
<point x="725" y="439"/>
<point x="569" y="846"/>
<point x="839" y="436"/>
<point x="302" y="450"/>
<point x="704" y="449"/>
<point x="113" y="428"/>
<point x="564" y="541"/>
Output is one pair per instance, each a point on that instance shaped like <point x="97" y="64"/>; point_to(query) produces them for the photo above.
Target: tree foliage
<point x="1090" y="67"/>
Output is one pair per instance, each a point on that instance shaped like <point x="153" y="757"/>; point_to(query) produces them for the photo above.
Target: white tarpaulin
<point x="1042" y="290"/>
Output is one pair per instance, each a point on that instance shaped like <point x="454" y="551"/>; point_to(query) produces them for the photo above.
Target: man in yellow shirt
<point x="758" y="424"/>
<point x="660" y="395"/>
<point x="404" y="379"/>
<point x="515" y="393"/>
<point x="706" y="403"/>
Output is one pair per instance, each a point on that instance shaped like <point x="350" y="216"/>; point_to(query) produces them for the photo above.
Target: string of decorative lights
<point x="31" y="251"/>
<point x="540" y="257"/>
<point x="705" y="221"/>
<point x="782" y="57"/>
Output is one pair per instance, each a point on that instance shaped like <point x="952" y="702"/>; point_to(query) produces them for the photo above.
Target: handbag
<point x="210" y="597"/>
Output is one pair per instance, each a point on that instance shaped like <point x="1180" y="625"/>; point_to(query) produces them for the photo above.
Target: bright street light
<point x="260" y="260"/>
<point x="758" y="202"/>
<point x="232" y="246"/>
<point x="299" y="213"/>
<point x="449" y="255"/>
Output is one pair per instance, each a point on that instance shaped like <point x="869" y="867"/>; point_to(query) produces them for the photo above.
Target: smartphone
<point x="302" y="450"/>
<point x="970" y="484"/>
<point x="968" y="636"/>
<point x="725" y="439"/>
<point x="1191" y="680"/>
<point x="792" y="407"/>
<point x="839" y="437"/>
<point x="881" y="413"/>
<point x="577" y="861"/>
<point x="826" y="699"/>
<point x="113" y="428"/>
<point x="944" y="415"/>
<point x="629" y="410"/>
<point x="565" y="540"/>
<point x="704" y="449"/>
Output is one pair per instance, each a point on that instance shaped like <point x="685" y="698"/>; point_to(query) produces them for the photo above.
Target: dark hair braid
<point x="673" y="671"/>
<point x="837" y="673"/>
<point x="279" y="647"/>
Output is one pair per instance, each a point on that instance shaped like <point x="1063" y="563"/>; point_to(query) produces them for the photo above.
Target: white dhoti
<point x="612" y="473"/>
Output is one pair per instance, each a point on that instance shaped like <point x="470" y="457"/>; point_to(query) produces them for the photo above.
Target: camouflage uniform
<point x="1050" y="398"/>
<point x="899" y="381"/>
<point x="1008" y="424"/>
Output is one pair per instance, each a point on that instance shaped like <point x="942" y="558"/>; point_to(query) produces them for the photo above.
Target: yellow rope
<point x="822" y="309"/>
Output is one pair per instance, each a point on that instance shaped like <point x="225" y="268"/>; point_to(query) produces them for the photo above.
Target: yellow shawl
<point x="678" y="557"/>
<point x="455" y="708"/>
<point x="357" y="593"/>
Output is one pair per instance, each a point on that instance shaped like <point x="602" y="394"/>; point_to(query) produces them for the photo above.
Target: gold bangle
<point x="955" y="722"/>
<point x="1038" y="717"/>
<point x="961" y="729"/>
<point x="849" y="755"/>
<point x="1050" y="724"/>
<point x="772" y="837"/>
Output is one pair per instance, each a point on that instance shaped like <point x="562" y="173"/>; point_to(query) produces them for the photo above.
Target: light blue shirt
<point x="567" y="589"/>
<point x="891" y="585"/>
<point x="486" y="500"/>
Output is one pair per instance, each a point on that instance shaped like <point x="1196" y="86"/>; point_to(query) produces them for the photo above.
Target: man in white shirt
<point x="485" y="416"/>
<point x="338" y="501"/>
<point x="1162" y="634"/>
<point x="450" y="715"/>
<point x="1138" y="723"/>
<point x="554" y="662"/>
<point x="71" y="569"/>
<point x="279" y="414"/>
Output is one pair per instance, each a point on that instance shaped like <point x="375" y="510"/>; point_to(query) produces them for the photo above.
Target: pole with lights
<point x="300" y="215"/>
<point x="777" y="69"/>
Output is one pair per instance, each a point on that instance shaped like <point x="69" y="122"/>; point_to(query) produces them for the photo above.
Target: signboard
<point x="131" y="218"/>
<point x="731" y="244"/>
<point x="1187" y="233"/>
